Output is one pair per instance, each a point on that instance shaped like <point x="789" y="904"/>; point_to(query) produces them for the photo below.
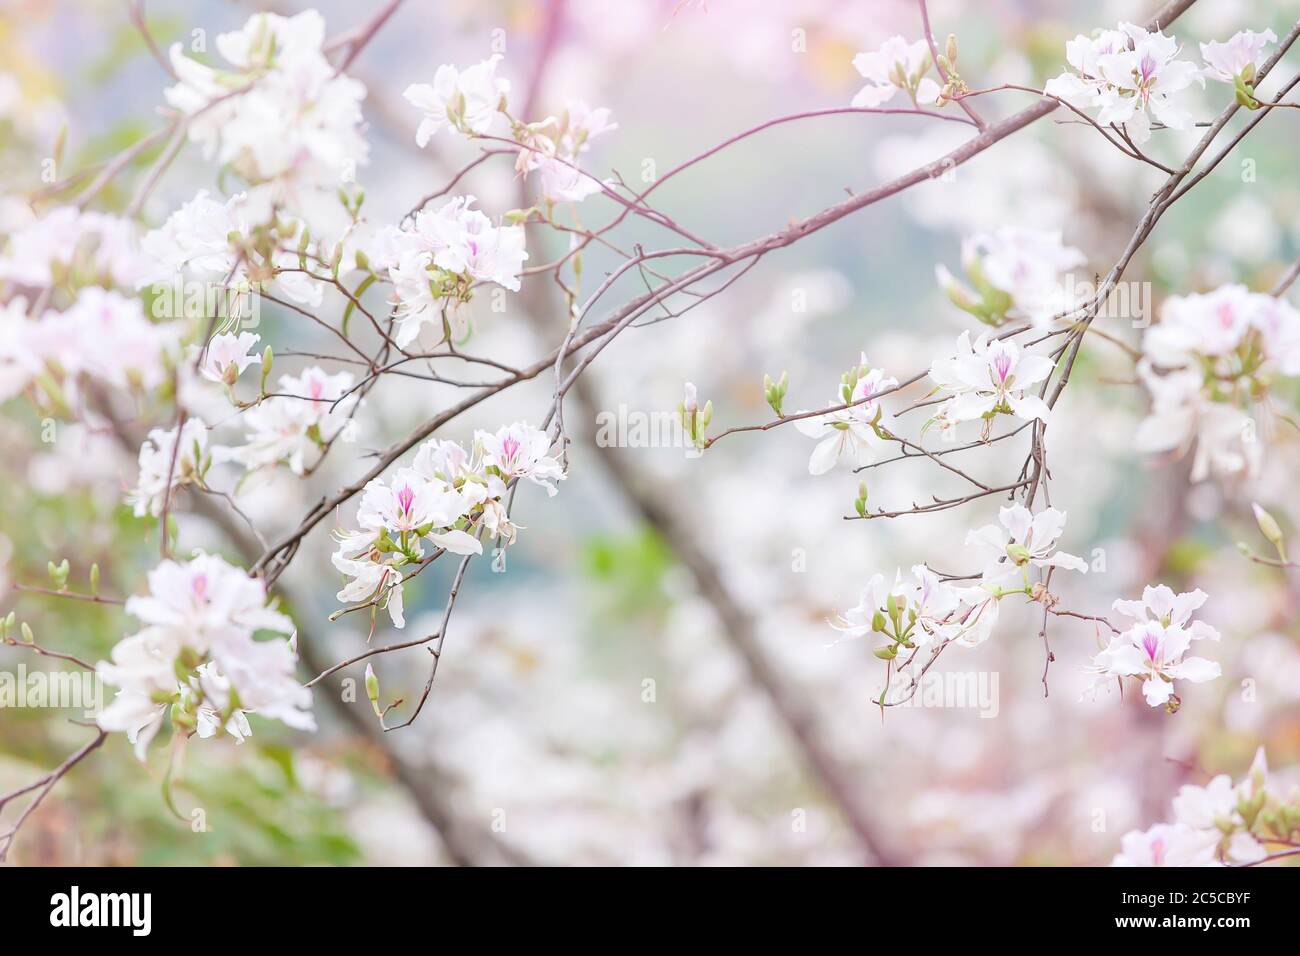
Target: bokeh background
<point x="652" y="679"/>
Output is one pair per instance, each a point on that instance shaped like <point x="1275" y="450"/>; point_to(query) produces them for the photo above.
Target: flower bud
<point x="1269" y="527"/>
<point x="372" y="689"/>
<point x="267" y="358"/>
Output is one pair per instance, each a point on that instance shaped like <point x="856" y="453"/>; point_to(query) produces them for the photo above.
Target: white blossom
<point x="897" y="65"/>
<point x="521" y="451"/>
<point x="1131" y="76"/>
<point x="1230" y="60"/>
<point x="987" y="378"/>
<point x="463" y="100"/>
<point x="1024" y="540"/>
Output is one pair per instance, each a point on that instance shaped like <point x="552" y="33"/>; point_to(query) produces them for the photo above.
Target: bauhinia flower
<point x="897" y="65"/>
<point x="1024" y="540"/>
<point x="1165" y="845"/>
<point x="1162" y="605"/>
<point x="410" y="507"/>
<point x="1016" y="273"/>
<point x="1208" y="364"/>
<point x="1131" y="75"/>
<point x="521" y="451"/>
<point x="1238" y="59"/>
<point x="462" y="100"/>
<point x="1155" y="648"/>
<point x="553" y="148"/>
<point x="849" y="434"/>
<point x="1219" y="824"/>
<point x="989" y="378"/>
<point x="196" y="657"/>
<point x="919" y="612"/>
<point x="374" y="581"/>
<point x="436" y="260"/>
<point x="164" y="466"/>
<point x="280" y="110"/>
<point x="227" y="355"/>
<point x="309" y="411"/>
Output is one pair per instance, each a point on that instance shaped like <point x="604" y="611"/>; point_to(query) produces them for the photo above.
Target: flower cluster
<point x="987" y="378"/>
<point x="1015" y="274"/>
<point x="1154" y="648"/>
<point x="196" y="657"/>
<point x="233" y="247"/>
<point x="437" y="258"/>
<point x="1130" y="75"/>
<point x="280" y="112"/>
<point x="66" y="246"/>
<point x="919" y="612"/>
<point x="1207" y="363"/>
<point x="1219" y="824"/>
<point x="102" y="336"/>
<point x="449" y="496"/>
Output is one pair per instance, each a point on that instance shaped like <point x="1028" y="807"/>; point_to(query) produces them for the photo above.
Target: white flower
<point x="850" y="433"/>
<point x="160" y="458"/>
<point x="195" y="239"/>
<point x="521" y="451"/>
<point x="1083" y="87"/>
<point x="106" y="336"/>
<point x="411" y="503"/>
<point x="462" y="100"/>
<point x="1127" y="84"/>
<point x="444" y="460"/>
<point x="1228" y="61"/>
<point x="227" y="355"/>
<point x="1156" y="653"/>
<point x="457" y="240"/>
<point x="1024" y="540"/>
<point x="1165" y="845"/>
<point x="205" y="601"/>
<point x="302" y="417"/>
<point x="281" y="111"/>
<point x="989" y="378"/>
<point x="1162" y="605"/>
<point x="1278" y="324"/>
<point x="1212" y="324"/>
<point x="197" y="653"/>
<point x="897" y="65"/>
<point x="1025" y="265"/>
<point x="553" y="147"/>
<point x="1182" y="414"/>
<point x="372" y="581"/>
<point x="142" y="668"/>
<point x="95" y="246"/>
<point x="920" y="611"/>
<point x="840" y="437"/>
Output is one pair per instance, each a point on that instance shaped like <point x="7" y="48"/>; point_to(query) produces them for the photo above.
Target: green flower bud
<point x="372" y="689"/>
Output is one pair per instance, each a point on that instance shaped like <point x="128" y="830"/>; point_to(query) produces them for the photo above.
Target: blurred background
<point x="651" y="679"/>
